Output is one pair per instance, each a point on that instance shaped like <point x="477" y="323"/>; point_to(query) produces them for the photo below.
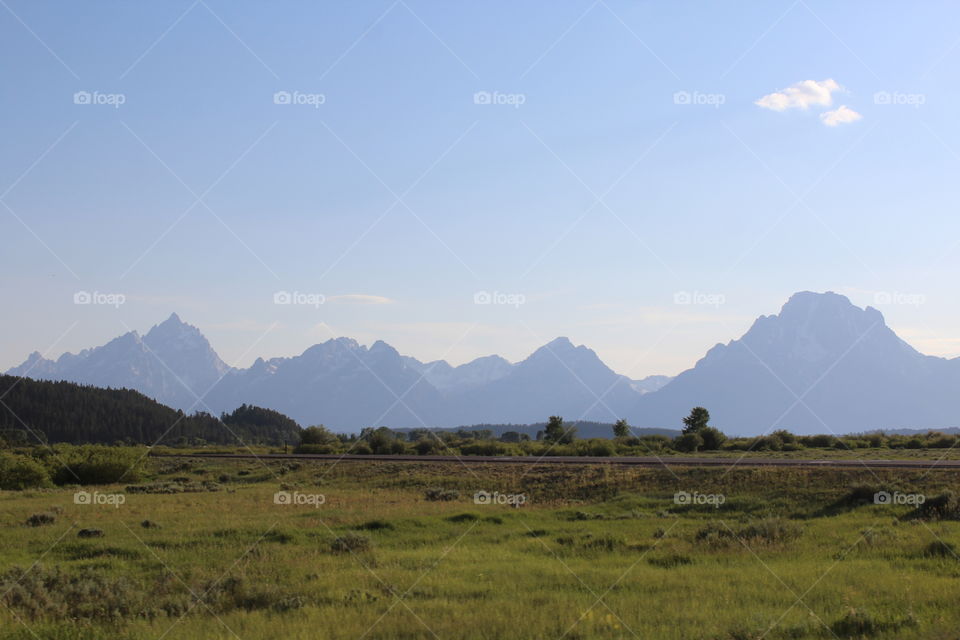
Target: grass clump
<point x="671" y="561"/>
<point x="53" y="593"/>
<point x="944" y="506"/>
<point x="857" y="623"/>
<point x="351" y="543"/>
<point x="438" y="494"/>
<point x="464" y="517"/>
<point x="766" y="531"/>
<point x="940" y="549"/>
<point x="376" y="525"/>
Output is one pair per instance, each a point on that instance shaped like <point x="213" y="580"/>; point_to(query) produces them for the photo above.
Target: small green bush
<point x="20" y="472"/>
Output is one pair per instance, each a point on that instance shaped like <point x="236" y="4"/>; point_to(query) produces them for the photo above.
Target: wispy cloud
<point x="801" y="95"/>
<point x="360" y="298"/>
<point x="841" y="115"/>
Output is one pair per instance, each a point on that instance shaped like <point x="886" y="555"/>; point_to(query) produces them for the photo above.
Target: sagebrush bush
<point x="52" y="593"/>
<point x="351" y="542"/>
<point x="40" y="519"/>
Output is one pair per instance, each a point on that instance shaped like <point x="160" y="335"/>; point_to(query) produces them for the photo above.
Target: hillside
<point x="33" y="411"/>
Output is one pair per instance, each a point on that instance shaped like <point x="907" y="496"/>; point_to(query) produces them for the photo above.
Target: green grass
<point x="596" y="552"/>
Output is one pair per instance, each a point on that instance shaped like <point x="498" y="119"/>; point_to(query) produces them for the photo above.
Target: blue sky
<point x="581" y="185"/>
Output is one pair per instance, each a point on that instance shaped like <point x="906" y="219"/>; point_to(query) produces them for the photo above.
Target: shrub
<point x="20" y="472"/>
<point x="438" y="494"/>
<point x="315" y="449"/>
<point x="317" y="435"/>
<point x="90" y="533"/>
<point x="766" y="443"/>
<point x="945" y="506"/>
<point x="350" y="543"/>
<point x="361" y="449"/>
<point x="489" y="448"/>
<point x="942" y="442"/>
<point x="671" y="561"/>
<point x="652" y="442"/>
<point x="96" y="464"/>
<point x="40" y="593"/>
<point x="860" y="624"/>
<point x="40" y="519"/>
<point x="770" y="531"/>
<point x="601" y="448"/>
<point x="688" y="442"/>
<point x="464" y="517"/>
<point x="821" y="441"/>
<point x="376" y="525"/>
<point x="861" y="494"/>
<point x="426" y="447"/>
<point x="713" y="438"/>
<point x="940" y="549"/>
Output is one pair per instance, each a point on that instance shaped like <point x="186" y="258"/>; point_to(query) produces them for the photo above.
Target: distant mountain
<point x="821" y="365"/>
<point x="650" y="383"/>
<point x="173" y="363"/>
<point x="475" y="373"/>
<point x="339" y="383"/>
<point x="556" y="379"/>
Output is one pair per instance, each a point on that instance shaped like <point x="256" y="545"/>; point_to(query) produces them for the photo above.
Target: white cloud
<point x="801" y="95"/>
<point x="841" y="115"/>
<point x="360" y="298"/>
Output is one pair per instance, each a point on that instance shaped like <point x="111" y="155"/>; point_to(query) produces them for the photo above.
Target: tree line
<point x="36" y="411"/>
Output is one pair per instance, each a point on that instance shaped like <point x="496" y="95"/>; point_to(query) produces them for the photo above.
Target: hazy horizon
<point x="367" y="343"/>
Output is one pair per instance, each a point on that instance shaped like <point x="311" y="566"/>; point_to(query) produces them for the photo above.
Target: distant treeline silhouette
<point x="33" y="411"/>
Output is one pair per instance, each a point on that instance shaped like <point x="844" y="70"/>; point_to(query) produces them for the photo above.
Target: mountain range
<point x="821" y="365"/>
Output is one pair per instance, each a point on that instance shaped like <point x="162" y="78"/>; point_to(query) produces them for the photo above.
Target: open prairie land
<point x="302" y="549"/>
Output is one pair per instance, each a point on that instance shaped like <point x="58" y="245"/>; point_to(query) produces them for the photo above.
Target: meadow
<point x="200" y="548"/>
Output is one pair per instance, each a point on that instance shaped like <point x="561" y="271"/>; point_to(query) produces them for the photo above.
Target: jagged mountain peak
<point x="171" y="328"/>
<point x="821" y="364"/>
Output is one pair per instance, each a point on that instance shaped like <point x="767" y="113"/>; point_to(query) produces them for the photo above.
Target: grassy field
<point x="243" y="549"/>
